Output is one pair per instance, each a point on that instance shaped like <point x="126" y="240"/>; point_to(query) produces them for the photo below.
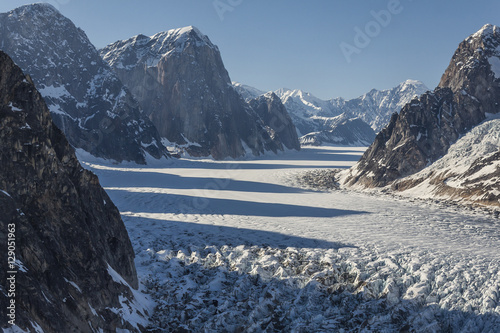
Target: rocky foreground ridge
<point x="73" y="258"/>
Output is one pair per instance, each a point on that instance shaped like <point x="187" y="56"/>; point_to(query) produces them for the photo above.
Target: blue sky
<point x="297" y="44"/>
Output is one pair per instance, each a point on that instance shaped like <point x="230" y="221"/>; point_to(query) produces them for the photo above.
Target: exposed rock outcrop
<point x="179" y="78"/>
<point x="427" y="126"/>
<point x="74" y="260"/>
<point x="277" y="120"/>
<point x="86" y="99"/>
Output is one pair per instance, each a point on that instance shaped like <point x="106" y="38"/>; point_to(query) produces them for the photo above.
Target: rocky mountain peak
<point x="179" y="78"/>
<point x="247" y="92"/>
<point x="40" y="10"/>
<point x="426" y="127"/>
<point x="487" y="33"/>
<point x="86" y="99"/>
<point x="183" y="35"/>
<point x="475" y="64"/>
<point x="149" y="50"/>
<point x="278" y="122"/>
<point x="413" y="85"/>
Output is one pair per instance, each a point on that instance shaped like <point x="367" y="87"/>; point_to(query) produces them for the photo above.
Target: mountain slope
<point x="425" y="128"/>
<point x="180" y="79"/>
<point x="74" y="260"/>
<point x="86" y="99"/>
<point x="470" y="171"/>
<point x="377" y="106"/>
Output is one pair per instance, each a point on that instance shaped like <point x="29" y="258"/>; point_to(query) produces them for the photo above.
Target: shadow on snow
<point x="213" y="235"/>
<point x="143" y="179"/>
<point x="147" y="203"/>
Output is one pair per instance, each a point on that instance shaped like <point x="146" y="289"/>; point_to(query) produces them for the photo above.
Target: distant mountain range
<point x="130" y="99"/>
<point x="340" y="130"/>
<point x="316" y="119"/>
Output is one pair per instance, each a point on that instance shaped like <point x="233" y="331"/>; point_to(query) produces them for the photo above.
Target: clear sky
<point x="311" y="45"/>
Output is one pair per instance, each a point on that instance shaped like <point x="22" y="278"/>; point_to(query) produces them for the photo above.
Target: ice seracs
<point x="274" y="257"/>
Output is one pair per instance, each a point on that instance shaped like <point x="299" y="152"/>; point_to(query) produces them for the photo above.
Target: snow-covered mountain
<point x="180" y="79"/>
<point x="304" y="108"/>
<point x="425" y="129"/>
<point x="341" y="130"/>
<point x="247" y="92"/>
<point x="86" y="99"/>
<point x="375" y="107"/>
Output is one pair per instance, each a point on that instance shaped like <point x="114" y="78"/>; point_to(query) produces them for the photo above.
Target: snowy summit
<point x="149" y="50"/>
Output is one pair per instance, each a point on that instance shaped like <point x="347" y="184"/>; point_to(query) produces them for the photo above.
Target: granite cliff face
<point x="427" y="126"/>
<point x="179" y="78"/>
<point x="86" y="99"/>
<point x="74" y="260"/>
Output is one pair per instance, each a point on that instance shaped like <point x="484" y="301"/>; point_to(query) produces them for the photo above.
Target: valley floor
<point x="235" y="246"/>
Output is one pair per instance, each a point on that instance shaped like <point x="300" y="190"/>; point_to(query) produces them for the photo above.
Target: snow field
<point x="238" y="246"/>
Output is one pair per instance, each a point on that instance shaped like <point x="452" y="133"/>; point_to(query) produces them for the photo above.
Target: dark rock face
<point x="427" y="126"/>
<point x="86" y="99"/>
<point x="179" y="78"/>
<point x="275" y="117"/>
<point x="70" y="239"/>
<point x="340" y="130"/>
